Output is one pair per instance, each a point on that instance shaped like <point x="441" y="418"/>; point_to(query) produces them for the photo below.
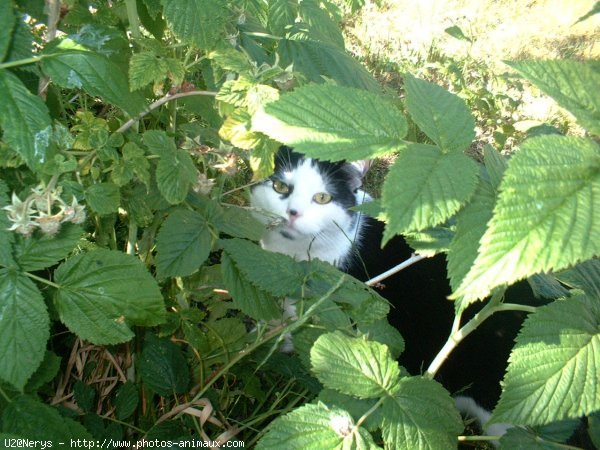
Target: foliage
<point x="133" y="292"/>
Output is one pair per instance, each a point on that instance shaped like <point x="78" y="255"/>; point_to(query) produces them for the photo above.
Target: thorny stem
<point x="267" y="337"/>
<point x="456" y="337"/>
<point x="403" y="265"/>
<point x="161" y="101"/>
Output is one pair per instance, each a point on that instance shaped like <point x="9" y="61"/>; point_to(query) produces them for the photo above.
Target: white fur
<point x="325" y="232"/>
<point x="468" y="407"/>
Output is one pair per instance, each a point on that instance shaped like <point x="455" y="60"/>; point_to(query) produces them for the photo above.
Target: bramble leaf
<point x="175" y="174"/>
<point x="315" y="427"/>
<point x="420" y="415"/>
<point x="24" y="328"/>
<point x="354" y="366"/>
<point x="98" y="301"/>
<point x="333" y="122"/>
<point x="573" y="84"/>
<point x="552" y="373"/>
<point x="24" y="120"/>
<point x="442" y="116"/>
<point x="163" y="367"/>
<point x="546" y="217"/>
<point x="183" y="244"/>
<point x="7" y="25"/>
<point x="103" y="198"/>
<point x="39" y="252"/>
<point x="425" y="187"/>
<point x="197" y="22"/>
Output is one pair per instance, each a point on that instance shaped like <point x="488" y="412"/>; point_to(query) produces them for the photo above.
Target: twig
<point x="161" y="101"/>
<point x="403" y="265"/>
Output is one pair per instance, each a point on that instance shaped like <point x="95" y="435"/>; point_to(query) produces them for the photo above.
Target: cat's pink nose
<point x="293" y="214"/>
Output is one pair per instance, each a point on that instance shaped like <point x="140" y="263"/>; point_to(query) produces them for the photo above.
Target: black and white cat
<point x="308" y="203"/>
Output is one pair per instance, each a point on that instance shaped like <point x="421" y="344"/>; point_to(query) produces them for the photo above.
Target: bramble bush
<point x="130" y="273"/>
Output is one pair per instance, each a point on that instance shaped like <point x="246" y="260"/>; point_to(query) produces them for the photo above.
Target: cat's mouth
<point x="286" y="234"/>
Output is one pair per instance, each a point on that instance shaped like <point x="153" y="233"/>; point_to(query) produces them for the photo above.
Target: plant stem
<point x="6" y="397"/>
<point x="369" y="412"/>
<point x="134" y="20"/>
<point x="42" y="280"/>
<point x="403" y="265"/>
<point x="161" y="101"/>
<point x="267" y="337"/>
<point x="22" y="62"/>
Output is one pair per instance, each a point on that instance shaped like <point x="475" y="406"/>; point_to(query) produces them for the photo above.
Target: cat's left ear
<point x="359" y="170"/>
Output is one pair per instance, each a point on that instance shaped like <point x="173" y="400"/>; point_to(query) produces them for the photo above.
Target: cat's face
<point x="312" y="197"/>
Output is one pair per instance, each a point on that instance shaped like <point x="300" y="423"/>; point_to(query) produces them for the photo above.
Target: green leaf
<point x="333" y="122"/>
<point x="444" y="117"/>
<point x="7" y="238"/>
<point x="239" y="222"/>
<point x="319" y="61"/>
<point x="313" y="427"/>
<point x="282" y="14"/>
<point x="421" y="415"/>
<point x="163" y="367"/>
<point x="471" y="223"/>
<point x="84" y="395"/>
<point x="7" y="25"/>
<point x="183" y="244"/>
<point x="24" y="120"/>
<point x="249" y="299"/>
<point x="495" y="165"/>
<point x="546" y="217"/>
<point x="98" y="301"/>
<point x="29" y="418"/>
<point x="73" y="67"/>
<point x="355" y="406"/>
<point x="585" y="276"/>
<point x="200" y="23"/>
<point x="354" y="366"/>
<point x="592" y="12"/>
<point x="126" y="400"/>
<point x="103" y="198"/>
<point x="456" y="32"/>
<point x="236" y="129"/>
<point x="594" y="428"/>
<point x="40" y="252"/>
<point x="573" y="84"/>
<point x="431" y="241"/>
<point x="275" y="273"/>
<point x="552" y="373"/>
<point x="384" y="333"/>
<point x="322" y="27"/>
<point x="24" y="328"/>
<point x="523" y="439"/>
<point x="146" y="68"/>
<point x="47" y="370"/>
<point x="425" y="187"/>
<point x="175" y="174"/>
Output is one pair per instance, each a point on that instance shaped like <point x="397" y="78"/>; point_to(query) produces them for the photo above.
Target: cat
<point x="309" y="203"/>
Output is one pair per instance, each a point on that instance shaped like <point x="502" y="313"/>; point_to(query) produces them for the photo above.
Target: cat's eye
<point x="322" y="198"/>
<point x="280" y="187"/>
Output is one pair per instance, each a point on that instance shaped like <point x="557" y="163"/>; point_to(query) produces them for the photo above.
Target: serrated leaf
<point x="313" y="427"/>
<point x="444" y="117"/>
<point x="249" y="299"/>
<point x="236" y="129"/>
<point x="126" y="400"/>
<point x="333" y="123"/>
<point x="471" y="223"/>
<point x="27" y="417"/>
<point x="354" y="406"/>
<point x="262" y="160"/>
<point x="163" y="367"/>
<point x="159" y="143"/>
<point x="73" y="67"/>
<point x="431" y="241"/>
<point x="98" y="301"/>
<point x="24" y="120"/>
<point x="21" y="46"/>
<point x="322" y="27"/>
<point x="573" y="84"/>
<point x="24" y="328"/>
<point x="146" y="68"/>
<point x="39" y="252"/>
<point x="231" y="59"/>
<point x="354" y="366"/>
<point x="585" y="276"/>
<point x="197" y="22"/>
<point x="84" y="395"/>
<point x="553" y="372"/>
<point x="281" y="15"/>
<point x="182" y="244"/>
<point x="175" y="173"/>
<point x="523" y="439"/>
<point x="239" y="222"/>
<point x="7" y="25"/>
<point x="319" y="61"/>
<point x="103" y="198"/>
<point x="7" y="238"/>
<point x="46" y="371"/>
<point x="425" y="187"/>
<point x="420" y="415"/>
<point x="275" y="273"/>
<point x="546" y="217"/>
<point x="384" y="333"/>
<point x="495" y="165"/>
